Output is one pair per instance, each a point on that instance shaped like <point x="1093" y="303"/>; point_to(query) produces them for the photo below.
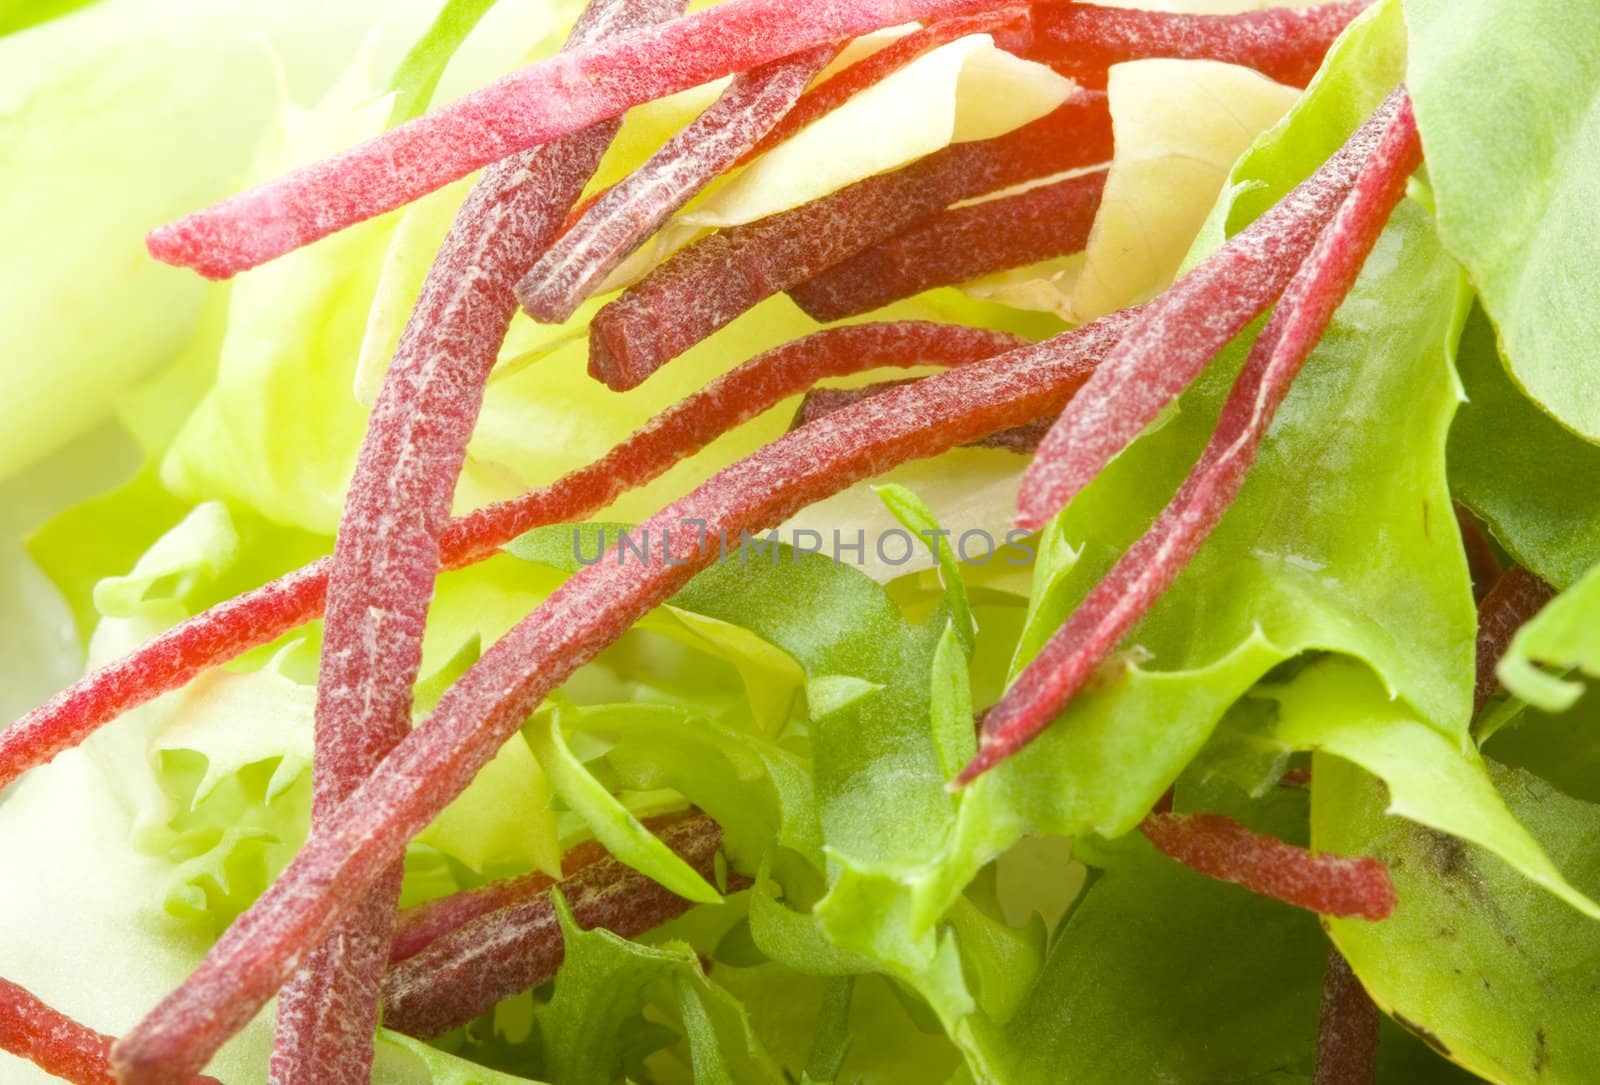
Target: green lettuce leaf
<point x="1562" y="638"/>
<point x="1495" y="977"/>
<point x="1535" y="484"/>
<point x="1514" y="157"/>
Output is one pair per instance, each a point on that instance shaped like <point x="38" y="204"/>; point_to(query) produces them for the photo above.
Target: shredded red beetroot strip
<point x="545" y="101"/>
<point x="1285" y="44"/>
<point x="1008" y="24"/>
<point x="419" y="927"/>
<point x="1516" y="597"/>
<point x="1148" y="568"/>
<point x="54" y="1042"/>
<point x="958" y="245"/>
<point x="821" y="402"/>
<point x="1347" y="1028"/>
<point x="1184" y="328"/>
<point x="386" y="557"/>
<point x="707" y="285"/>
<point x="343" y="857"/>
<point x="1221" y="848"/>
<point x="259" y="617"/>
<point x="518" y="946"/>
<point x="1483" y="564"/>
<point x="633" y="209"/>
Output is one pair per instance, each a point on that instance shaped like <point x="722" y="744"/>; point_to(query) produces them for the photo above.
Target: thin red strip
<point x="958" y="245"/>
<point x="540" y="103"/>
<point x="513" y="948"/>
<point x="1347" y="1028"/>
<point x="54" y="1042"/>
<point x="624" y="216"/>
<point x="1516" y="597"/>
<point x="1285" y="44"/>
<point x="1221" y="848"/>
<point x="707" y="285"/>
<point x="1182" y="330"/>
<point x="597" y="605"/>
<point x="1390" y="150"/>
<point x="386" y="557"/>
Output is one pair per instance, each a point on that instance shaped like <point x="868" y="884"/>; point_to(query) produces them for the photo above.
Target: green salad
<point x="855" y="541"/>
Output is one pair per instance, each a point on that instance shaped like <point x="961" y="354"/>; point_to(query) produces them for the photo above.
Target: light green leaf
<point x="1335" y="707"/>
<point x="1500" y="977"/>
<point x="920" y="521"/>
<point x="1535" y="484"/>
<point x="624" y="836"/>
<point x="1565" y="636"/>
<point x="1505" y="94"/>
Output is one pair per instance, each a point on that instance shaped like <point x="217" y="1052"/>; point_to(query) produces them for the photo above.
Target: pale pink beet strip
<point x="707" y="285"/>
<point x="1144" y="572"/>
<point x="259" y="617"/>
<point x="540" y="103"/>
<point x="958" y="245"/>
<point x="386" y="557"/>
<point x="1221" y="848"/>
<point x="630" y="211"/>
<point x="518" y="946"/>
<point x="1347" y="1028"/>
<point x="1182" y="330"/>
<point x="438" y="759"/>
<point x="1009" y="25"/>
<point x="1285" y="44"/>
<point x="1513" y="601"/>
<point x="54" y="1042"/>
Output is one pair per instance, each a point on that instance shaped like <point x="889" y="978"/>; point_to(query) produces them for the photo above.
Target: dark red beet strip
<point x="1221" y="848"/>
<point x="1184" y="328"/>
<point x="516" y="947"/>
<point x="419" y="927"/>
<point x="387" y="554"/>
<point x="540" y="103"/>
<point x="705" y="286"/>
<point x="1008" y="24"/>
<point x="259" y="617"/>
<point x="1482" y="562"/>
<point x="633" y="209"/>
<point x="958" y="245"/>
<point x="1286" y="44"/>
<point x="343" y="857"/>
<point x="1347" y="1028"/>
<point x="1144" y="572"/>
<point x="821" y="402"/>
<point x="1513" y="601"/>
<point x="54" y="1042"/>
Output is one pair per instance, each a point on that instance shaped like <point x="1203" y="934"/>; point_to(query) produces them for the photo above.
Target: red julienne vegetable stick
<point x="1008" y="24"/>
<point x="633" y="209"/>
<point x="1286" y="44"/>
<point x="54" y="1042"/>
<point x="955" y="246"/>
<point x="1515" y="598"/>
<point x="705" y="286"/>
<point x="1183" y="329"/>
<point x="438" y="759"/>
<point x="1347" y="1028"/>
<point x="1221" y="848"/>
<point x="821" y="402"/>
<point x="545" y="101"/>
<point x="387" y="554"/>
<point x="518" y="946"/>
<point x="1069" y="659"/>
<point x="230" y="629"/>
<point x="1482" y="561"/>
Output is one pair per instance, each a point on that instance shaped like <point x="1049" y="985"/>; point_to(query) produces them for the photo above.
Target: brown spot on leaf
<point x="1425" y="1035"/>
